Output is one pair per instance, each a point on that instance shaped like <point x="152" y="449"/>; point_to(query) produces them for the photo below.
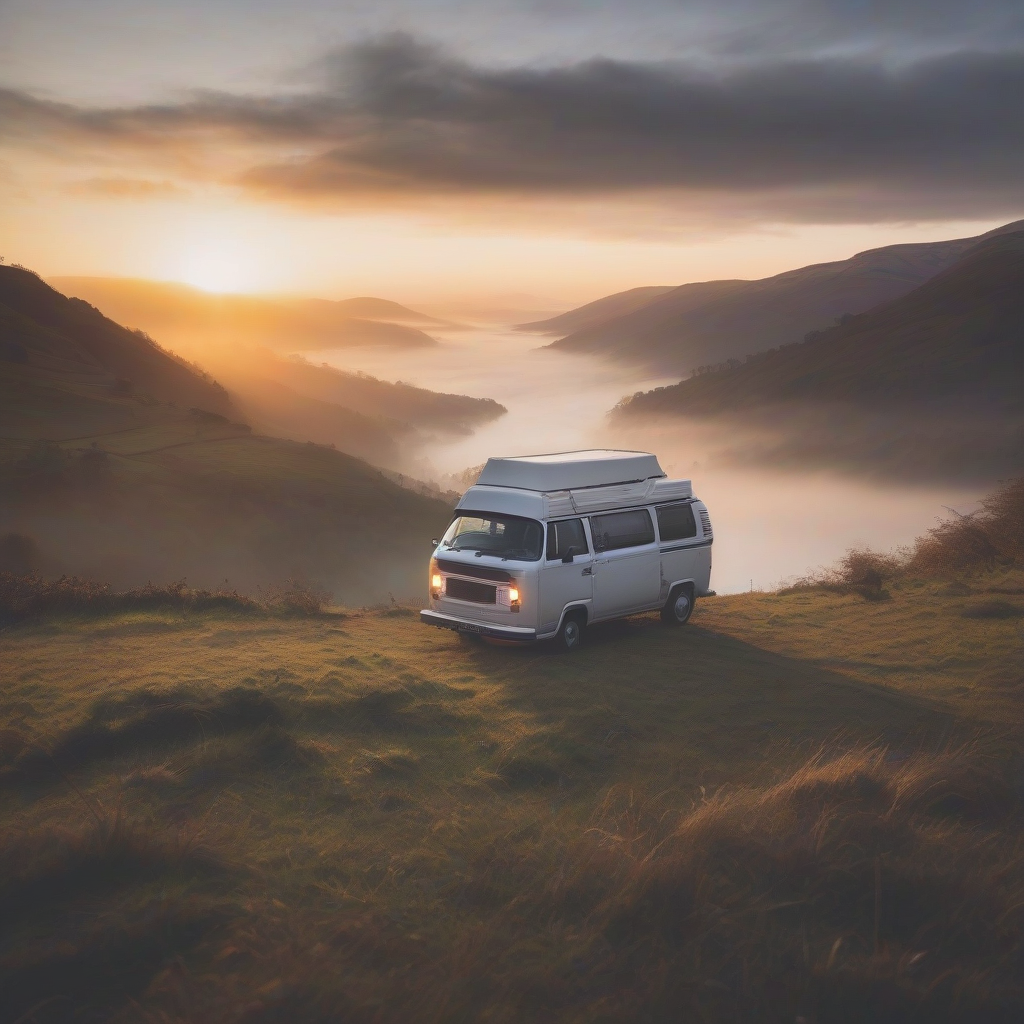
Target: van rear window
<point x="622" y="530"/>
<point x="676" y="522"/>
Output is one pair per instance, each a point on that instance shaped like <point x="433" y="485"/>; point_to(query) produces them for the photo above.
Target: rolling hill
<point x="958" y="336"/>
<point x="597" y="312"/>
<point x="48" y="340"/>
<point x="926" y="387"/>
<point x="121" y="462"/>
<point x="705" y="323"/>
<point x="292" y="398"/>
<point x="193" y="321"/>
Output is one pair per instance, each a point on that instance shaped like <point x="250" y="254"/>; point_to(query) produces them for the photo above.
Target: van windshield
<point x="501" y="536"/>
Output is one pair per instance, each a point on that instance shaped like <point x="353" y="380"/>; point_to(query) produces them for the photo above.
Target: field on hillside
<point x="198" y="497"/>
<point x="798" y="807"/>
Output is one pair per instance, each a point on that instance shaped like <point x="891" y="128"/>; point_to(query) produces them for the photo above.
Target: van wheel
<point x="679" y="606"/>
<point x="570" y="636"/>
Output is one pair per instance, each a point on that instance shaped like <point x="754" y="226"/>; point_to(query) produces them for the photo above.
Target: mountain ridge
<point x="958" y="335"/>
<point x="710" y="321"/>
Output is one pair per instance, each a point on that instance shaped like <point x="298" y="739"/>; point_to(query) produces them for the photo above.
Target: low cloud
<point x="127" y="188"/>
<point x="400" y="120"/>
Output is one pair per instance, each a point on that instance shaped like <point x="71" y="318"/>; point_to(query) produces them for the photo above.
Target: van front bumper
<point x="518" y="633"/>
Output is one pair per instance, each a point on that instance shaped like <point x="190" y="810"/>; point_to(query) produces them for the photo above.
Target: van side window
<point x="622" y="530"/>
<point x="564" y="535"/>
<point x="676" y="522"/>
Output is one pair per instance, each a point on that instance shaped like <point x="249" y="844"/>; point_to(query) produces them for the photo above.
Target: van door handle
<point x="587" y="572"/>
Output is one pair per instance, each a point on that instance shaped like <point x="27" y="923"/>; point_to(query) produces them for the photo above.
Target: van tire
<point x="570" y="633"/>
<point x="679" y="606"/>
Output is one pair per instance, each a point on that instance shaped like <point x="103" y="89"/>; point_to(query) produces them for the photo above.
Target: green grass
<point x="799" y="805"/>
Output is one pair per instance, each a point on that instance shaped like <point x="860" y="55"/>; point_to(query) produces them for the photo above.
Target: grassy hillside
<point x="960" y="335"/>
<point x="597" y="312"/>
<point x="800" y="806"/>
<point x="204" y="499"/>
<point x="706" y="323"/>
<point x="49" y="340"/>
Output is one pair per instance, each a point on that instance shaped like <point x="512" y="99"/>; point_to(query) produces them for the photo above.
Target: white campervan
<point x="544" y="545"/>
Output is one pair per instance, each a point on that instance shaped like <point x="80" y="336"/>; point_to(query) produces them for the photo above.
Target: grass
<point x="800" y="805"/>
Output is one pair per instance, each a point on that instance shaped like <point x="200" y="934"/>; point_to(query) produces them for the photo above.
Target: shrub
<point x="992" y="537"/>
<point x="297" y="597"/>
<point x="24" y="595"/>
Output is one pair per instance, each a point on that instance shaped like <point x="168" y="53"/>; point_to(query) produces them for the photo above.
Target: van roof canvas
<point x="570" y="470"/>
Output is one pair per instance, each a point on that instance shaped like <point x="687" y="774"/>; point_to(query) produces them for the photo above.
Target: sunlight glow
<point x="219" y="266"/>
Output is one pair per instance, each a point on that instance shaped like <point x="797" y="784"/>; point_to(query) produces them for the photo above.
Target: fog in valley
<point x="771" y="525"/>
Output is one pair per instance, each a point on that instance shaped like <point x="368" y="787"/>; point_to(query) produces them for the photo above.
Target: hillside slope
<point x="205" y="499"/>
<point x="597" y="312"/>
<point x="704" y="324"/>
<point x="958" y="336"/>
<point x="52" y="340"/>
<point x="801" y="806"/>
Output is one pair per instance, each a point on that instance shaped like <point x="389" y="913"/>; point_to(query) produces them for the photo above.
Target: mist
<point x="774" y="521"/>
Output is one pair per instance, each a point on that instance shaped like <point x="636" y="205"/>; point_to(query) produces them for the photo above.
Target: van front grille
<point x="467" y="590"/>
<point x="705" y="522"/>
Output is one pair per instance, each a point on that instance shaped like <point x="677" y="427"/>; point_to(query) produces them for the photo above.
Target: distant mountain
<point x="373" y="419"/>
<point x="957" y="338"/>
<point x="417" y="407"/>
<point x="49" y="340"/>
<point x="121" y="462"/>
<point x="597" y="312"/>
<point x="368" y="308"/>
<point x="705" y="323"/>
<point x="92" y="376"/>
<point x="193" y="320"/>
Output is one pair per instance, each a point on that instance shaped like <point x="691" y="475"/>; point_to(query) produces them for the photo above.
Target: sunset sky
<point x="530" y="152"/>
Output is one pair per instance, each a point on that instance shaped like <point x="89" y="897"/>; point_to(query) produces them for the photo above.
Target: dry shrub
<point x="297" y="597"/>
<point x="859" y="571"/>
<point x="992" y="536"/>
<point x="25" y="595"/>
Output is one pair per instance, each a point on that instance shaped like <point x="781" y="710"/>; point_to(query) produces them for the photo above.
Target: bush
<point x="859" y="571"/>
<point x="22" y="596"/>
<point x="991" y="538"/>
<point x="297" y="597"/>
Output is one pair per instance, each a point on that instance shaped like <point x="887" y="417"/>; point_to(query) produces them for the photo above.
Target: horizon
<point x="475" y="153"/>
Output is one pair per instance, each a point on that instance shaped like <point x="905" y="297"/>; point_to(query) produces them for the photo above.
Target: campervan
<point x="542" y="546"/>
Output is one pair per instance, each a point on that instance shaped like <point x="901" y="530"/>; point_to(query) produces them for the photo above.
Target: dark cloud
<point x="397" y="117"/>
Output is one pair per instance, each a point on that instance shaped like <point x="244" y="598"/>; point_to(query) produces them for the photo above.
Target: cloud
<point x="127" y="188"/>
<point x="399" y="120"/>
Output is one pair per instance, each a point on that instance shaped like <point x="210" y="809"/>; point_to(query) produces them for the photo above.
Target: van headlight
<point x="436" y="584"/>
<point x="513" y="598"/>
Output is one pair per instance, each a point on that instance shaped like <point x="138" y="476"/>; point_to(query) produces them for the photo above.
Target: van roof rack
<point x="596" y="467"/>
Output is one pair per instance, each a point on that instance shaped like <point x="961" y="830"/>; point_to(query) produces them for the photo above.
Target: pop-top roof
<point x="570" y="470"/>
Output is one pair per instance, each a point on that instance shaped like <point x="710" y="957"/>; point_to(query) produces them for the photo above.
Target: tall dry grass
<point x="990" y="538"/>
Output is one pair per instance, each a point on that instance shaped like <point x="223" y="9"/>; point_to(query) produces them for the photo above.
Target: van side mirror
<point x="435" y="542"/>
<point x="568" y="556"/>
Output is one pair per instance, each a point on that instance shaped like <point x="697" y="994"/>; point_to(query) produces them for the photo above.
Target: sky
<point x="539" y="152"/>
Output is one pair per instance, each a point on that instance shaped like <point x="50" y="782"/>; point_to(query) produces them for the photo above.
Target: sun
<point x="219" y="266"/>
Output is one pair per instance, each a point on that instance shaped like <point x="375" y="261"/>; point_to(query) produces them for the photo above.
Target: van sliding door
<point x="627" y="563"/>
